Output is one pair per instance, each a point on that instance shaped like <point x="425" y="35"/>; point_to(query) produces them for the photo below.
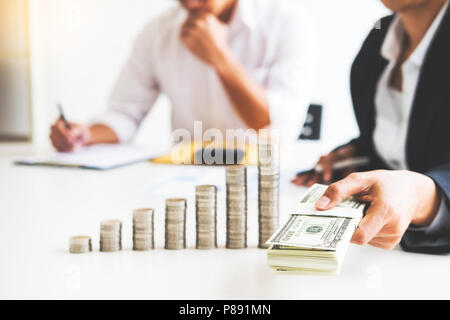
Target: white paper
<point x="99" y="157"/>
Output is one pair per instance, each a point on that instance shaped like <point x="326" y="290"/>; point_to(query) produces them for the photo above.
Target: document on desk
<point x="97" y="157"/>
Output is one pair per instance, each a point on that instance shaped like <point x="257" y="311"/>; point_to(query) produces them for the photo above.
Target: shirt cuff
<point x="440" y="223"/>
<point x="124" y="127"/>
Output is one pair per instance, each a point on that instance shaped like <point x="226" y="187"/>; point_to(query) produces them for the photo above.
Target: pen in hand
<point x="63" y="118"/>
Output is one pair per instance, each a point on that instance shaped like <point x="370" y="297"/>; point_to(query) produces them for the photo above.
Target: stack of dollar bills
<point x="312" y="241"/>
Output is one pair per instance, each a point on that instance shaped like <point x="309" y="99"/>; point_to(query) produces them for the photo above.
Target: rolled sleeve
<point x="290" y="81"/>
<point x="135" y="91"/>
<point x="123" y="126"/>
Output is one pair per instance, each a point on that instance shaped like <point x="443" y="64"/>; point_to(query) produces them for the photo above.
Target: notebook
<point x="97" y="157"/>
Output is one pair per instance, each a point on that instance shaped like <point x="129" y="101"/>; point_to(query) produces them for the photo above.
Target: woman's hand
<point x="396" y="199"/>
<point x="323" y="172"/>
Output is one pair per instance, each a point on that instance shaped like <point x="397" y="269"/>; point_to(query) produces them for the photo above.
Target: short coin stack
<point x="110" y="236"/>
<point x="176" y="224"/>
<point x="236" y="180"/>
<point x="268" y="189"/>
<point x="143" y="239"/>
<point x="80" y="244"/>
<point x="206" y="215"/>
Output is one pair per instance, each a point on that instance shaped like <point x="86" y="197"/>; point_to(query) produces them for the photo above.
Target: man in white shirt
<point x="232" y="64"/>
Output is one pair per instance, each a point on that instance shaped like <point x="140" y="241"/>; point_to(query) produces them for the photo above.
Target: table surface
<point x="40" y="208"/>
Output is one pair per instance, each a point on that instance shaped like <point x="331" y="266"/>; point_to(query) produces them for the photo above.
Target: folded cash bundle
<point x="311" y="241"/>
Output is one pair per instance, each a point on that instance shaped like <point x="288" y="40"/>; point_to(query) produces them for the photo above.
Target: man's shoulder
<point x="164" y="22"/>
<point x="279" y="8"/>
<point x="279" y="12"/>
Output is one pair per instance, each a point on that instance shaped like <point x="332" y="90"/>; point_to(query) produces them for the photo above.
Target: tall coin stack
<point x="236" y="180"/>
<point x="268" y="189"/>
<point x="80" y="244"/>
<point x="143" y="239"/>
<point x="206" y="215"/>
<point x="176" y="224"/>
<point x="110" y="236"/>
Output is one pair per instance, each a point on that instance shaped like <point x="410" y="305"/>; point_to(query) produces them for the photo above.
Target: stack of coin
<point x="143" y="239"/>
<point x="110" y="236"/>
<point x="268" y="189"/>
<point x="176" y="224"/>
<point x="236" y="180"/>
<point x="206" y="215"/>
<point x="80" y="244"/>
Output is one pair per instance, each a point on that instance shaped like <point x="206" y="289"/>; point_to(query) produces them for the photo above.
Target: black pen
<point x="63" y="118"/>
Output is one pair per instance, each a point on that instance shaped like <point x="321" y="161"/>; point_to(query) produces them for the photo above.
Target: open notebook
<point x="98" y="157"/>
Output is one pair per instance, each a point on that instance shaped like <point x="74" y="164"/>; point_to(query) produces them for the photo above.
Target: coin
<point x="206" y="216"/>
<point x="143" y="229"/>
<point x="80" y="244"/>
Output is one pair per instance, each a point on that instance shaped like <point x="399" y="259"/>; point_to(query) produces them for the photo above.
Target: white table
<point x="40" y="208"/>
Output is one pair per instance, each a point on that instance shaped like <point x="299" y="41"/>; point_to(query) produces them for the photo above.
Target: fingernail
<point x="323" y="202"/>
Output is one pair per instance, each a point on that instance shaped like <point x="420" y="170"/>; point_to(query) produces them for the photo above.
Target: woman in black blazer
<point x="408" y="206"/>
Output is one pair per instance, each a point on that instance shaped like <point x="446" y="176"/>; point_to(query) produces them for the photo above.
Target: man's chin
<point x="199" y="11"/>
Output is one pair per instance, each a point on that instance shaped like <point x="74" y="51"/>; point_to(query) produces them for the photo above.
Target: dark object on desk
<point x="313" y="124"/>
<point x="207" y="156"/>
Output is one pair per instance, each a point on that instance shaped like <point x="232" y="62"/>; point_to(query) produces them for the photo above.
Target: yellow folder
<point x="184" y="154"/>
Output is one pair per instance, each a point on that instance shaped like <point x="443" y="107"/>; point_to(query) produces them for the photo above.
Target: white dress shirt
<point x="393" y="107"/>
<point x="268" y="37"/>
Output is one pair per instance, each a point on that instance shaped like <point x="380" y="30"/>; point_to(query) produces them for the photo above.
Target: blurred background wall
<point x="79" y="46"/>
<point x="15" y="120"/>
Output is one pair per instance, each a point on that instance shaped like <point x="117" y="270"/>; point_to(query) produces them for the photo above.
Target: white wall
<point x="78" y="47"/>
<point x="14" y="75"/>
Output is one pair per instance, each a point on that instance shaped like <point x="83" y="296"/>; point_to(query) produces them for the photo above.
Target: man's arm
<point x="76" y="136"/>
<point x="134" y="94"/>
<point x="279" y="100"/>
<point x="247" y="96"/>
<point x="206" y="36"/>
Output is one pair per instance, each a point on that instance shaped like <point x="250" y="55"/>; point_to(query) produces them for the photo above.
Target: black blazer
<point x="428" y="141"/>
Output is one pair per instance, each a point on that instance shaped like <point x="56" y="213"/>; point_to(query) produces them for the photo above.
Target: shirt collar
<point x="392" y="44"/>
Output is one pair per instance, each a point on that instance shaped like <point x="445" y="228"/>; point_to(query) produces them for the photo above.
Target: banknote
<point x="348" y="208"/>
<point x="313" y="241"/>
<point x="313" y="232"/>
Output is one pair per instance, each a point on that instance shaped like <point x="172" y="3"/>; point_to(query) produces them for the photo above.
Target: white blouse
<point x="393" y="107"/>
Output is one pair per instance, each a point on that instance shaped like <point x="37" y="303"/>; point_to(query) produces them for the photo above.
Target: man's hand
<point x="396" y="199"/>
<point x="69" y="140"/>
<point x="206" y="36"/>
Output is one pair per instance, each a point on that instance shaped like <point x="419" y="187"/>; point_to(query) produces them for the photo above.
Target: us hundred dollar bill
<point x="309" y="228"/>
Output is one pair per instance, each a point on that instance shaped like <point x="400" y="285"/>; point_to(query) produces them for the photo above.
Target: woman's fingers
<point x="306" y="179"/>
<point x="325" y="168"/>
<point x="352" y="185"/>
<point x="372" y="223"/>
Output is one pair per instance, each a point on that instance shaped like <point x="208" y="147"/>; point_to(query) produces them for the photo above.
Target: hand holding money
<point x="396" y="199"/>
<point x="312" y="241"/>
